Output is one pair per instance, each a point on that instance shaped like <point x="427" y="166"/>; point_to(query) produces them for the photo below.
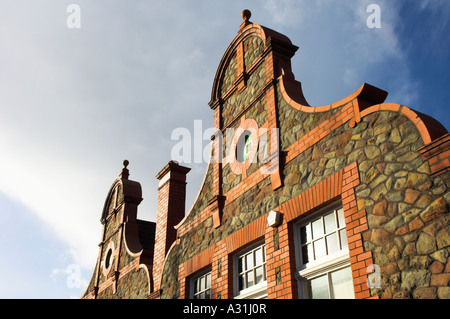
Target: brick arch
<point x="236" y="47"/>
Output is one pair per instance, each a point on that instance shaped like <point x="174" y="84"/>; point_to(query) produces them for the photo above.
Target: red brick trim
<point x="313" y="198"/>
<point x="437" y="154"/>
<point x="341" y="184"/>
<point x="366" y="95"/>
<point x="222" y="279"/>
<point x="281" y="267"/>
<point x="199" y="261"/>
<point x="280" y="262"/>
<point x="246" y="235"/>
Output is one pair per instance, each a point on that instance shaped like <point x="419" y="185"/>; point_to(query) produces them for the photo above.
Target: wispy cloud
<point x="286" y="12"/>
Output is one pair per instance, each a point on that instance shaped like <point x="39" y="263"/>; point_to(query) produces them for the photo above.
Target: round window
<point x="109" y="258"/>
<point x="244" y="146"/>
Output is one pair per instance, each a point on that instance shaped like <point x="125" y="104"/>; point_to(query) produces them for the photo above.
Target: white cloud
<point x="286" y="12"/>
<point x="75" y="102"/>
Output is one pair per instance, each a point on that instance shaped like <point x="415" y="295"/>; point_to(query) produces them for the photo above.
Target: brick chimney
<point x="170" y="211"/>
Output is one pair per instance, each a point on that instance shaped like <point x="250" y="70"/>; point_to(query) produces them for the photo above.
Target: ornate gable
<point x="124" y="262"/>
<point x="273" y="151"/>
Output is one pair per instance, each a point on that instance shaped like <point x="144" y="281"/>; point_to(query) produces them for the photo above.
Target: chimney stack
<point x="170" y="211"/>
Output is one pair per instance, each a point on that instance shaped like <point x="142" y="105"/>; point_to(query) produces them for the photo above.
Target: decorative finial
<point x="125" y="173"/>
<point x="246" y="14"/>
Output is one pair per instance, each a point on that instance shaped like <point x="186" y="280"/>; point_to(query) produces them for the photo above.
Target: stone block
<point x="443" y="238"/>
<point x="436" y="209"/>
<point x="426" y="244"/>
<point x="443" y="292"/>
<point x="425" y="293"/>
<point x="415" y="278"/>
<point x="380" y="236"/>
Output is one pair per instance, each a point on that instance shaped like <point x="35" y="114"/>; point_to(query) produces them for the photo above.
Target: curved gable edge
<point x="197" y="198"/>
<point x="369" y="99"/>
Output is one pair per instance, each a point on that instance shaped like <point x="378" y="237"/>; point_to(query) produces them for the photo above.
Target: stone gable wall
<point x="407" y="210"/>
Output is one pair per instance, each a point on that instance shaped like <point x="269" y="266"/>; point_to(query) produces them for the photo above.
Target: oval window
<point x="244" y="146"/>
<point x="109" y="258"/>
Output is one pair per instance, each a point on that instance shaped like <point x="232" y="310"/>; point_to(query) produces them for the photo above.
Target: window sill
<point x="315" y="269"/>
<point x="256" y="292"/>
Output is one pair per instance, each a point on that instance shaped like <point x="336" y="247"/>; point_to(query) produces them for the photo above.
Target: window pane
<point x="208" y="281"/>
<point x="259" y="275"/>
<point x="342" y="284"/>
<point x="258" y="256"/>
<point x="307" y="254"/>
<point x="330" y="223"/>
<point x="201" y="284"/>
<point x="305" y="234"/>
<point x="250" y="279"/>
<point x="249" y="261"/>
<point x="341" y="219"/>
<point x="242" y="282"/>
<point x="195" y="286"/>
<point x="343" y="236"/>
<point x="248" y="145"/>
<point x="319" y="248"/>
<point x="332" y="243"/>
<point x="241" y="265"/>
<point x="317" y="288"/>
<point x="317" y="228"/>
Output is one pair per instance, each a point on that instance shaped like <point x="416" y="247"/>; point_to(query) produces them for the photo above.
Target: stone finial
<point x="125" y="173"/>
<point x="246" y="15"/>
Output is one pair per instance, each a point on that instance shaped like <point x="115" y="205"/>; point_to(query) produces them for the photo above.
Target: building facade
<point x="347" y="200"/>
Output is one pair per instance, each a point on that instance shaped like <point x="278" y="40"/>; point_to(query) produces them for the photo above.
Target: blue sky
<point x="76" y="102"/>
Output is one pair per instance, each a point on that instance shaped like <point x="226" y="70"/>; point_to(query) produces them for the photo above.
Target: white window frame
<point x="195" y="279"/>
<point x="324" y="265"/>
<point x="257" y="291"/>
